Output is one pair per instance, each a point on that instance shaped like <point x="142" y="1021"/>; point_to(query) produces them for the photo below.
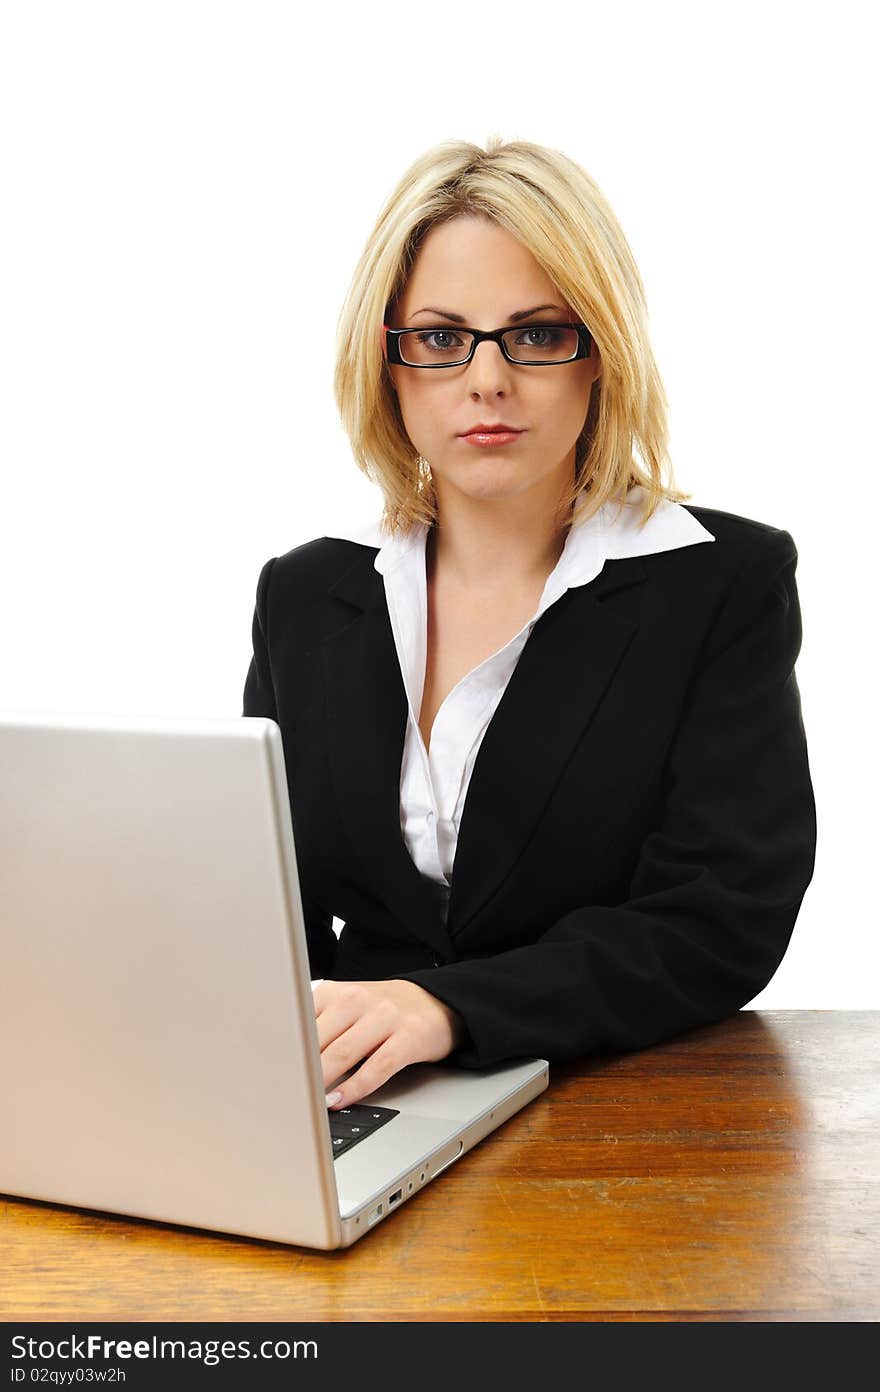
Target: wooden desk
<point x="729" y="1174"/>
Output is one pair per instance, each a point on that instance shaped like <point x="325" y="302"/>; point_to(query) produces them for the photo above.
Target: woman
<point x="541" y="671"/>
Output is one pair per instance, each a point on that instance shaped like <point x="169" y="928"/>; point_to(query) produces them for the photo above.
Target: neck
<point x="490" y="547"/>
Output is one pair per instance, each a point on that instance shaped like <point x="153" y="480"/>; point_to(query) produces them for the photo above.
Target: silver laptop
<point x="158" y="1049"/>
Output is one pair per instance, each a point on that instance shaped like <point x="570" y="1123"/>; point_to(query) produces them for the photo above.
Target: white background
<point x="186" y="188"/>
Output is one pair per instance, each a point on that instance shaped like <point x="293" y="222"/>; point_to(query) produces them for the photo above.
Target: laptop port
<point x="393" y="1198"/>
<point x="374" y="1216"/>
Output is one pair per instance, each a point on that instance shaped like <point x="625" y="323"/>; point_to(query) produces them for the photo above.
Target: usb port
<point x="392" y="1198"/>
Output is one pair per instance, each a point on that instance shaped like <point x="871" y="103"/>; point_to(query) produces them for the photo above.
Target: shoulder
<point x="743" y="537"/>
<point x="316" y="565"/>
<point x="751" y="584"/>
<point x="292" y="587"/>
<point x="742" y="547"/>
<point x="746" y="572"/>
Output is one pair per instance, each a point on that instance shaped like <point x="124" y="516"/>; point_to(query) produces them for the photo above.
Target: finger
<point x="322" y="991"/>
<point x="357" y="1043"/>
<point x="340" y="1010"/>
<point x="382" y="1064"/>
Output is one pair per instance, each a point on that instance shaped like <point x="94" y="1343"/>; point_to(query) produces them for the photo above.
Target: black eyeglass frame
<point x="392" y="339"/>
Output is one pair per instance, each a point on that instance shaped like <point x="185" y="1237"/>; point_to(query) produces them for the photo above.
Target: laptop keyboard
<point x="348" y="1125"/>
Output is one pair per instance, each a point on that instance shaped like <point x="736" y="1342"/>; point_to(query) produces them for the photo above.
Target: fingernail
<point x="333" y="1097"/>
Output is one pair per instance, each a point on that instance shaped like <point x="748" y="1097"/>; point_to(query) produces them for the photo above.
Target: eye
<point x="551" y="336"/>
<point x="439" y="340"/>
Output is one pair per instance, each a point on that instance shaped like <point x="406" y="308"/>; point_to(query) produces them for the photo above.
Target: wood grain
<point x="729" y="1174"/>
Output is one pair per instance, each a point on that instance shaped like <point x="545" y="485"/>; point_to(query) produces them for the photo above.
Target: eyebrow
<point x="513" y="318"/>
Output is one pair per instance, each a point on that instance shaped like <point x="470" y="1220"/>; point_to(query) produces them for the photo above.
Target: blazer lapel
<point x="367" y="712"/>
<point x="562" y="675"/>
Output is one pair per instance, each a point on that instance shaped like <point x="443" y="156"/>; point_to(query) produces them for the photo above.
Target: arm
<point x="718" y="884"/>
<point x="259" y="699"/>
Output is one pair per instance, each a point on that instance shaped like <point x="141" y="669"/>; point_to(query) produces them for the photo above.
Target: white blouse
<point x="434" y="784"/>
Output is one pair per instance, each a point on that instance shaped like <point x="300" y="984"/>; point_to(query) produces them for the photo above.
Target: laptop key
<point x="349" y="1125"/>
<point x="346" y="1130"/>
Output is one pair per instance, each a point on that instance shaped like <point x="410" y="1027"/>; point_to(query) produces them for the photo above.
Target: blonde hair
<point x="555" y="209"/>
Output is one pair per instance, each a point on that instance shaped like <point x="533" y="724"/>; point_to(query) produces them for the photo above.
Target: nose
<point x="488" y="370"/>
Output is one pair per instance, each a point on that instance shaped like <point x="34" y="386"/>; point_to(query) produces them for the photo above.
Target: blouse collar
<point x="612" y="533"/>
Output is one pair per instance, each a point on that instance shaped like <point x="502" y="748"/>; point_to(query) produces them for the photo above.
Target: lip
<point x="487" y="436"/>
<point x="492" y="439"/>
<point x="498" y="427"/>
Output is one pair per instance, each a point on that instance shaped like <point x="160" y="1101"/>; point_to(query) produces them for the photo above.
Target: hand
<point x="387" y="1024"/>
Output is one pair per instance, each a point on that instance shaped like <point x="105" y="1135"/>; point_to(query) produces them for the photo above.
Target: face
<point x="474" y="268"/>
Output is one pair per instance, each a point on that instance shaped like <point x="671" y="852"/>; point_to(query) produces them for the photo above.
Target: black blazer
<point x="639" y="829"/>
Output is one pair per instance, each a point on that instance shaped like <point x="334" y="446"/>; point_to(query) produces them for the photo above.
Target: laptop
<point x="159" y="1054"/>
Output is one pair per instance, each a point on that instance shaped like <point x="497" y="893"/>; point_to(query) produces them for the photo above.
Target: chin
<point x="489" y="466"/>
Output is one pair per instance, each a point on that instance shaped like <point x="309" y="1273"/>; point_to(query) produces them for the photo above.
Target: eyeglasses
<point x="537" y="345"/>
